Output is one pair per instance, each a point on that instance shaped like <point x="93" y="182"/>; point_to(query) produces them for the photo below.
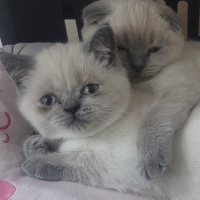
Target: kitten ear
<point x="17" y="66"/>
<point x="171" y="17"/>
<point x="103" y="45"/>
<point x="95" y="12"/>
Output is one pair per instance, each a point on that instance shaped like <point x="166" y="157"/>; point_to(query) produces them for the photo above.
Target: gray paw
<point x="33" y="145"/>
<point x="38" y="168"/>
<point x="154" y="162"/>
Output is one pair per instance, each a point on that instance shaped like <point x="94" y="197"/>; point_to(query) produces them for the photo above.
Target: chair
<point x="193" y="15"/>
<point x="72" y="9"/>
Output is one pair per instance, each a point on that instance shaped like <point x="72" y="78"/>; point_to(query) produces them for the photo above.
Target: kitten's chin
<point x="74" y="128"/>
<point x="137" y="79"/>
<point x="140" y="78"/>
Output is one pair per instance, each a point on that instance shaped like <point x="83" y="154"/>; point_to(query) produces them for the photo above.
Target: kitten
<point x="152" y="48"/>
<point x="80" y="99"/>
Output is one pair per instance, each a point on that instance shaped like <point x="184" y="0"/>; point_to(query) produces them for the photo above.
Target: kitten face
<point x="148" y="35"/>
<point x="71" y="93"/>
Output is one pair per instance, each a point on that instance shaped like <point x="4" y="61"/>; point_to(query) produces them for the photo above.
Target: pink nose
<point x="6" y="190"/>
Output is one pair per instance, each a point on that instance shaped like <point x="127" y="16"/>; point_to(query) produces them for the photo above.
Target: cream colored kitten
<point x="153" y="50"/>
<point x="79" y="98"/>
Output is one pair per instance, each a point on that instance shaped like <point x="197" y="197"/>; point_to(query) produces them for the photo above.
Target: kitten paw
<point x="38" y="168"/>
<point x="33" y="145"/>
<point x="152" y="164"/>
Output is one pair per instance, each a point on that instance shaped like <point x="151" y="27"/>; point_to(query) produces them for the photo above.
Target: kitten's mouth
<point x="76" y="123"/>
<point x="137" y="78"/>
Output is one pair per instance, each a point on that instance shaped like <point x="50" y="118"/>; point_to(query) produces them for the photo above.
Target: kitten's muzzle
<point x="138" y="63"/>
<point x="74" y="120"/>
<point x="71" y="105"/>
<point x="73" y="109"/>
<point x="138" y="68"/>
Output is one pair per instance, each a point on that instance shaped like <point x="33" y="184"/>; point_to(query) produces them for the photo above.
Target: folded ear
<point x="95" y="12"/>
<point x="17" y="66"/>
<point x="171" y="17"/>
<point x="103" y="45"/>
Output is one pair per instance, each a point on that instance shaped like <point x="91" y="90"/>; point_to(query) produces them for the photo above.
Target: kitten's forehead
<point x="139" y="23"/>
<point x="65" y="67"/>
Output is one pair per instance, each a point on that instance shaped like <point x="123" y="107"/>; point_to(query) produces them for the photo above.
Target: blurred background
<point x="60" y="20"/>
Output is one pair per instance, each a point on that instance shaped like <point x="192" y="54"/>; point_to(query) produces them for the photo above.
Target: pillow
<point x="13" y="127"/>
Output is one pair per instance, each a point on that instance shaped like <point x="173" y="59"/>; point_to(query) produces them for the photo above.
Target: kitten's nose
<point x="138" y="68"/>
<point x="138" y="63"/>
<point x="72" y="105"/>
<point x="72" y="109"/>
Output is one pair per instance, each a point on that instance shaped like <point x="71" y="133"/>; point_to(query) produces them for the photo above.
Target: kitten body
<point x="98" y="140"/>
<point x="155" y="54"/>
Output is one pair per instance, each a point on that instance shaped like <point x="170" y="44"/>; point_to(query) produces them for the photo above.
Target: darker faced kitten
<point x="149" y="35"/>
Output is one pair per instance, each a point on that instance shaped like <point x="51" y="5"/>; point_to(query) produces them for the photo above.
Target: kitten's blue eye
<point x="90" y="89"/>
<point x="48" y="100"/>
<point x="153" y="50"/>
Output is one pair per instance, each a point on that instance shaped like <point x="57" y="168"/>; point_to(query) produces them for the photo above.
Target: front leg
<point x="75" y="167"/>
<point x="38" y="167"/>
<point x="154" y="147"/>
<point x="156" y="137"/>
<point x="36" y="144"/>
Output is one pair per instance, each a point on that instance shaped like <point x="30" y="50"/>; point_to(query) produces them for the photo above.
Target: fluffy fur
<point x="140" y="27"/>
<point x="153" y="50"/>
<point x="102" y="151"/>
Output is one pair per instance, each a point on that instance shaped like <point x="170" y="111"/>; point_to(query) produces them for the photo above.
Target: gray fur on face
<point x="103" y="45"/>
<point x="17" y="66"/>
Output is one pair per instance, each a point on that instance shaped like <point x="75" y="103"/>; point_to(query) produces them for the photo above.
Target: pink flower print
<point x="3" y="135"/>
<point x="6" y="190"/>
